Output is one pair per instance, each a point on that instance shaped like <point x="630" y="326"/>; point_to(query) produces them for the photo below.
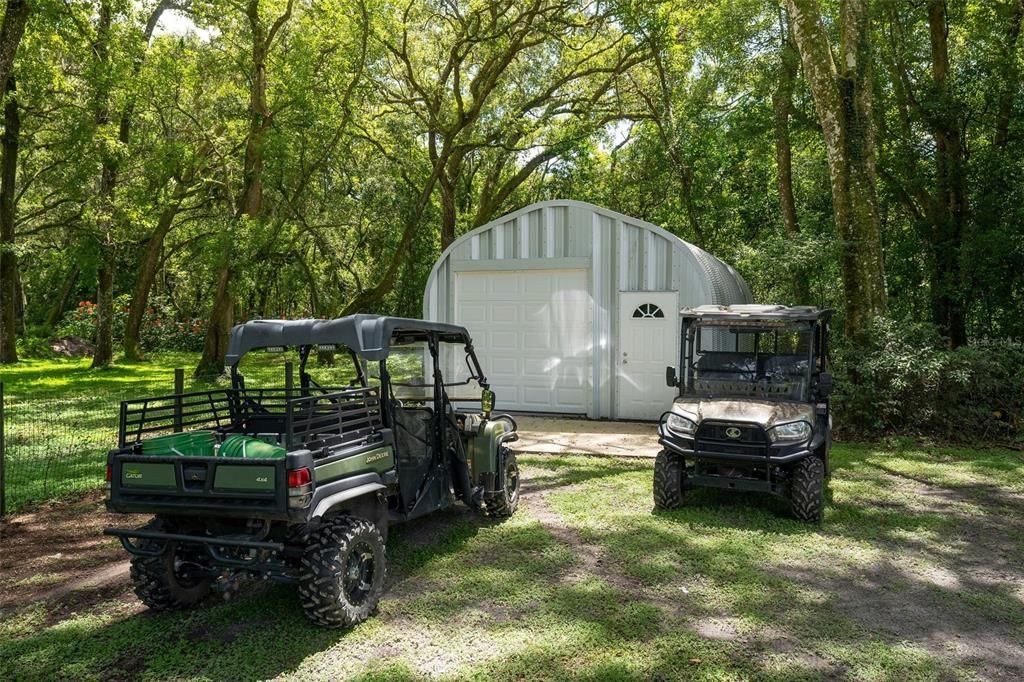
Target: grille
<point x="712" y="437"/>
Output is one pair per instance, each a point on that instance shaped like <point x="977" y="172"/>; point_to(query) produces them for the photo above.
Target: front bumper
<point x="751" y="464"/>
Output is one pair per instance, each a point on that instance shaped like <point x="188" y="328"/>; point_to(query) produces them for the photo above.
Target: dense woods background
<point x="169" y="167"/>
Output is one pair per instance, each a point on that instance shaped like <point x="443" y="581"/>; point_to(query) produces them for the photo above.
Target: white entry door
<point x="532" y="332"/>
<point x="648" y="343"/>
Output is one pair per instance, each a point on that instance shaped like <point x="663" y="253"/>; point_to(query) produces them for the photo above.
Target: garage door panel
<point x="503" y="342"/>
<point x="534" y="342"/>
<point x="504" y="312"/>
<point x="504" y="365"/>
<point x="474" y="313"/>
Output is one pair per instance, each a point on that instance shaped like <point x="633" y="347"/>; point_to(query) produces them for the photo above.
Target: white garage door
<point x="532" y="331"/>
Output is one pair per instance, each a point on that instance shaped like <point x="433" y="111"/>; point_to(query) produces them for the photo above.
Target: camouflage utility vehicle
<point x="299" y="484"/>
<point x="753" y="406"/>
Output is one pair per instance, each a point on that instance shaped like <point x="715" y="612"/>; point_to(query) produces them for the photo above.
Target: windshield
<point x="411" y="370"/>
<point x="768" y="363"/>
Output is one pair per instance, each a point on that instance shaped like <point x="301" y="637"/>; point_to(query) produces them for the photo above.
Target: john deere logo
<point x="132" y="474"/>
<point x="376" y="456"/>
<point x="732" y="432"/>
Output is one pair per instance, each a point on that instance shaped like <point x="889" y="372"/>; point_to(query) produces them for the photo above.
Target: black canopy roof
<point x="368" y="336"/>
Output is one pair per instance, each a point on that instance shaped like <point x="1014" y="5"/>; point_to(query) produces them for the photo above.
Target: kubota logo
<point x="732" y="432"/>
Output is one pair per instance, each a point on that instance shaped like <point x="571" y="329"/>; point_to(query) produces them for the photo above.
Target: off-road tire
<point x="155" y="581"/>
<point x="334" y="589"/>
<point x="807" y="489"/>
<point x="505" y="503"/>
<point x="669" y="476"/>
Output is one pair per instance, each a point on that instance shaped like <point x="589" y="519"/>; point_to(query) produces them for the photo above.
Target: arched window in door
<point x="647" y="311"/>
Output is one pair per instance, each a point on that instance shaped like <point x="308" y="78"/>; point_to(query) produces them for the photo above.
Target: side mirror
<point x="670" y="377"/>
<point x="824" y="384"/>
<point x="487" y="401"/>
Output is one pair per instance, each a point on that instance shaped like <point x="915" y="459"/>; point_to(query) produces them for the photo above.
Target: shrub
<point x="160" y="328"/>
<point x="908" y="382"/>
<point x="81" y="322"/>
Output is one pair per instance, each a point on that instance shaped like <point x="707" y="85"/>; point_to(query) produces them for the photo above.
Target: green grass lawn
<point x="916" y="574"/>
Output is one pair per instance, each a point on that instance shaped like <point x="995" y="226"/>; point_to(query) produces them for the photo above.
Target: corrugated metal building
<point x="574" y="308"/>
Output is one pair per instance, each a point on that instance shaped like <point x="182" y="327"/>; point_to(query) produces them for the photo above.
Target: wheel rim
<point x="357" y="580"/>
<point x="512" y="481"/>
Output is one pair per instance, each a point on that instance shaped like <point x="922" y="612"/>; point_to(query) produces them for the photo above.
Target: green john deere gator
<point x="299" y="484"/>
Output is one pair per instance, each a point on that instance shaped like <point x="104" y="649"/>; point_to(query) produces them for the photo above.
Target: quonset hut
<point x="573" y="308"/>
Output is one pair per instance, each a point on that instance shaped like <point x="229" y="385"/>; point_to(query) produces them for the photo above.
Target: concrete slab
<point x="569" y="436"/>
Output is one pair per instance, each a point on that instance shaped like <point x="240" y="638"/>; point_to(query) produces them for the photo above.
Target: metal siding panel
<point x="669" y="266"/>
<point x="486" y="249"/>
<point x="562" y="234"/>
<point x="650" y="261"/>
<point x="634" y="259"/>
<point x="499" y="240"/>
<point x="622" y="255"/>
<point x="522" y="237"/>
<point x="537" y="233"/>
<point x="549" y="232"/>
<point x="511" y="235"/>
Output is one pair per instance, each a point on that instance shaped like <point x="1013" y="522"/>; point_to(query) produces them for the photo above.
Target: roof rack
<point x="752" y="313"/>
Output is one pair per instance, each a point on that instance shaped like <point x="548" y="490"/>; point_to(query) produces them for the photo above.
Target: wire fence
<point x="56" y="446"/>
<point x="54" y="442"/>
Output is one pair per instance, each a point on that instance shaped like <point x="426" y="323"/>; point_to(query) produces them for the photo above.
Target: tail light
<point x="300" y="488"/>
<point x="299" y="477"/>
<point x="110" y="473"/>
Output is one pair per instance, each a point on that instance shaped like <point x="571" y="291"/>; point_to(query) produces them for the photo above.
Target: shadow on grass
<point x="765" y="596"/>
<point x="900" y="560"/>
<point x="259" y="635"/>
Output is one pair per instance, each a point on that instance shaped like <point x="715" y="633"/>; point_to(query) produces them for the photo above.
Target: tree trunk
<point x="449" y="215"/>
<point x="147" y="273"/>
<point x="215" y="346"/>
<point x="250" y="199"/>
<point x="782" y="105"/>
<point x="11" y="31"/>
<point x="56" y="312"/>
<point x="950" y="203"/>
<point x="108" y="186"/>
<point x="843" y="99"/>
<point x="1010" y="83"/>
<point x="105" y="204"/>
<point x="104" y="312"/>
<point x="685" y="174"/>
<point x="8" y="259"/>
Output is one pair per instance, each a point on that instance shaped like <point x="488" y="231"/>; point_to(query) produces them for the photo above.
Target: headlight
<point x="790" y="433"/>
<point x="679" y="425"/>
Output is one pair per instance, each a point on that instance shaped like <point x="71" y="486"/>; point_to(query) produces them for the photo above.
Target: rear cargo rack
<point x="337" y="415"/>
<point x="147" y="417"/>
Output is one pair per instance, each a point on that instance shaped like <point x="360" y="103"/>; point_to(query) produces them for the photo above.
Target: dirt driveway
<point x="916" y="574"/>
